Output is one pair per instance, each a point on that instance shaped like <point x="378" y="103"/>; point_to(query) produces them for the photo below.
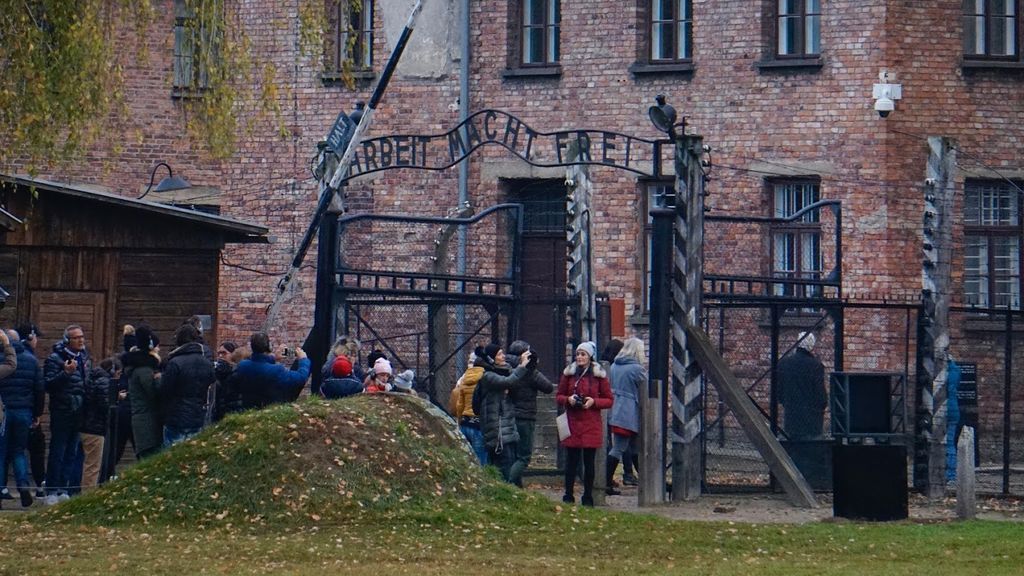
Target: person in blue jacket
<point x="261" y="381"/>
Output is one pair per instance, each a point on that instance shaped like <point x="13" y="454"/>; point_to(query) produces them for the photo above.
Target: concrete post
<point x="966" y="499"/>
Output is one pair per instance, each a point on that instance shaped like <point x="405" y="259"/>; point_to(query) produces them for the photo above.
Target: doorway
<point x="544" y="305"/>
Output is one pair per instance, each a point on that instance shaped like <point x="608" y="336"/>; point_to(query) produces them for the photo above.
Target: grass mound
<point x="361" y="459"/>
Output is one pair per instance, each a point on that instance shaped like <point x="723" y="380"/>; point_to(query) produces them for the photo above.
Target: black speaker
<point x="869" y="482"/>
<point x="869" y="403"/>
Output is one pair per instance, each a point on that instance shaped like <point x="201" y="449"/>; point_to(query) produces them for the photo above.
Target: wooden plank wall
<point x="164" y="288"/>
<point x="121" y="287"/>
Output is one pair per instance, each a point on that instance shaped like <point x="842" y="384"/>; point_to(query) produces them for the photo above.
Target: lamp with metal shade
<point x="663" y="116"/>
<point x="168" y="184"/>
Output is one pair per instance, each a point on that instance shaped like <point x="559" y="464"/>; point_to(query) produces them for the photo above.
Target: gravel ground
<point x="774" y="509"/>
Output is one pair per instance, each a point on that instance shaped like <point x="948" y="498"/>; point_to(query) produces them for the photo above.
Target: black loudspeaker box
<point x="869" y="403"/>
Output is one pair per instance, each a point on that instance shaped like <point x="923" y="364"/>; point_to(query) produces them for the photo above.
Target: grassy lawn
<point x="306" y="489"/>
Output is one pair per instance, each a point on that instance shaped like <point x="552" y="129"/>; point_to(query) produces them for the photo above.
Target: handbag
<point x="562" y="421"/>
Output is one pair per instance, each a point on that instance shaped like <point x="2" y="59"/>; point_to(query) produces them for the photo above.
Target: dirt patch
<point x="774" y="509"/>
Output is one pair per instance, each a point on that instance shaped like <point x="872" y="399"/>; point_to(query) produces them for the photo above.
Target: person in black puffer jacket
<point x="22" y="394"/>
<point x="95" y="412"/>
<point x="497" y="412"/>
<point x="184" y="385"/>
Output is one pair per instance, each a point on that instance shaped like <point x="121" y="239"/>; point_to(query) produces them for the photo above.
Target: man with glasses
<point x="65" y="376"/>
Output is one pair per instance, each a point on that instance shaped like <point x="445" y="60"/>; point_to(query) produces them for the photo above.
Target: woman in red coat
<point x="583" y="391"/>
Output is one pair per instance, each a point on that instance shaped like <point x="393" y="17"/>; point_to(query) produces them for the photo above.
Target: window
<point x="350" y="43"/>
<point x="798" y="29"/>
<point x="992" y="234"/>
<point x="540" y="32"/>
<point x="194" y="49"/>
<point x="796" y="245"/>
<point x="660" y="194"/>
<point x="671" y="31"/>
<point x="990" y="29"/>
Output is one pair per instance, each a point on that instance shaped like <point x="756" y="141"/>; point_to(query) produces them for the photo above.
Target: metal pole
<point x="655" y="429"/>
<point x="1007" y="376"/>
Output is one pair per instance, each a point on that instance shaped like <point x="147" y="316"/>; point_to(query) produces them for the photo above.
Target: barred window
<point x="992" y="232"/>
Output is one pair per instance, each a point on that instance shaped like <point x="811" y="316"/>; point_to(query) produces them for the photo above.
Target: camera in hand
<point x="577" y="401"/>
<point x="532" y="362"/>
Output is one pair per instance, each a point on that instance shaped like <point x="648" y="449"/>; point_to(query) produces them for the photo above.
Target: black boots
<point x="610" y="466"/>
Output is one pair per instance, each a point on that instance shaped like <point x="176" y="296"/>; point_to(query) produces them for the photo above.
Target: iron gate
<point x="401" y="287"/>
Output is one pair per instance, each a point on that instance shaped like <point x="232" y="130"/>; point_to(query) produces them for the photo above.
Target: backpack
<point x="478" y="399"/>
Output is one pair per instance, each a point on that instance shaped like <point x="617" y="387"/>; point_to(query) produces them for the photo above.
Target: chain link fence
<point x="986" y="346"/>
<point x="759" y="342"/>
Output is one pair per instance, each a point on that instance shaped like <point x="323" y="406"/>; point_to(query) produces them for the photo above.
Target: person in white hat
<point x="583" y="391"/>
<point x="801" y="391"/>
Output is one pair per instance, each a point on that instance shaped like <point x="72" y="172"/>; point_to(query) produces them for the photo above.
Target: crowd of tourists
<point x="154" y="400"/>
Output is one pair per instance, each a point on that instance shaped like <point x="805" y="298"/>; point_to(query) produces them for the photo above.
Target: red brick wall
<point x="754" y="119"/>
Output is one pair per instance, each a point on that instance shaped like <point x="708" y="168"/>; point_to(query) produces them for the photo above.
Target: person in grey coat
<point x="627" y="375"/>
<point x="524" y="398"/>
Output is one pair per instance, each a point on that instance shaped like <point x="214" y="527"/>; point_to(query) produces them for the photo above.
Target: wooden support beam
<point x="753" y="423"/>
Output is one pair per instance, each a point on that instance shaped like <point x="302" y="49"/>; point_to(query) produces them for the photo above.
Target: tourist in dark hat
<point x="141" y="370"/>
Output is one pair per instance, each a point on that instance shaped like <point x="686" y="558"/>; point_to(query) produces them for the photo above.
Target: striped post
<point x="933" y="321"/>
<point x="687" y="278"/>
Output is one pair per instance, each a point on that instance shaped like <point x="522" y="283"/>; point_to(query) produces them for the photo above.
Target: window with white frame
<point x="540" y="29"/>
<point x="798" y="28"/>
<point x="990" y="29"/>
<point x="671" y="31"/>
<point x="350" y="43"/>
<point x="796" y="245"/>
<point x="992" y="232"/>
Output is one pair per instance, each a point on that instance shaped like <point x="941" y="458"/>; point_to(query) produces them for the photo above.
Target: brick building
<point x="781" y="91"/>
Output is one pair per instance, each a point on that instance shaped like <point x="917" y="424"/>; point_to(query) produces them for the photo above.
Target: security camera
<point x="884" y="106"/>
<point x="885" y="96"/>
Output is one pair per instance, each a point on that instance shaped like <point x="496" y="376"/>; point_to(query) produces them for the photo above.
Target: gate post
<point x="581" y="272"/>
<point x="321" y="335"/>
<point x="654" y="427"/>
<point x="687" y="287"/>
<point x="933" y="321"/>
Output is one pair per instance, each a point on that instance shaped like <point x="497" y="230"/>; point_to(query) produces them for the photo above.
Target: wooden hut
<point x="77" y="254"/>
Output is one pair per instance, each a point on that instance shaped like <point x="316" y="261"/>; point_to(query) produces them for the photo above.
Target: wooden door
<point x="54" y="310"/>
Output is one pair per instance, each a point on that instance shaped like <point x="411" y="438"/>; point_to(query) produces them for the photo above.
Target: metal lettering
<point x="489" y="132"/>
<point x="607" y="143"/>
<point x="402" y="147"/>
<point x="440" y="151"/>
<point x="583" y="142"/>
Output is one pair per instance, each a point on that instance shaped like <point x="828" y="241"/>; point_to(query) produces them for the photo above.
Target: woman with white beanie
<point x="583" y="391"/>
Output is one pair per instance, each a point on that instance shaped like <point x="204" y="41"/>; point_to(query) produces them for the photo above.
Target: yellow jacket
<point x="464" y="392"/>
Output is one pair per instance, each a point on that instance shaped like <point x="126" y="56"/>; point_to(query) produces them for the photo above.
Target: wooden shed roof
<point x="235" y="231"/>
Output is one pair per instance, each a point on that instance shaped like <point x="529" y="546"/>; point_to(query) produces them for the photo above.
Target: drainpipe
<point x="460" y="312"/>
